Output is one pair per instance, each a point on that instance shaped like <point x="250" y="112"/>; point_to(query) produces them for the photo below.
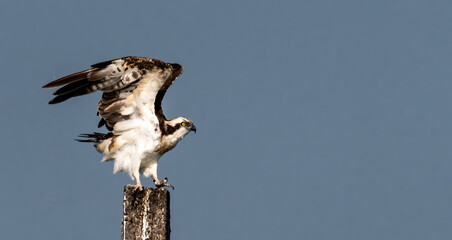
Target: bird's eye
<point x="183" y="124"/>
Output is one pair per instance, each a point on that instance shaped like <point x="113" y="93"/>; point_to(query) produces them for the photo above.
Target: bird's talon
<point x="163" y="183"/>
<point x="169" y="185"/>
<point x="140" y="187"/>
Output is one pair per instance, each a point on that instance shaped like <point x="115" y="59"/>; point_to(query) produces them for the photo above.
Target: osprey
<point x="131" y="109"/>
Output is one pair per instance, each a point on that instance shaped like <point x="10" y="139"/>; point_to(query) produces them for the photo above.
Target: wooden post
<point x="146" y="214"/>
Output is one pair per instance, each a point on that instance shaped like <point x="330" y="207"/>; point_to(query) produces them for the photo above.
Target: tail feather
<point x="94" y="137"/>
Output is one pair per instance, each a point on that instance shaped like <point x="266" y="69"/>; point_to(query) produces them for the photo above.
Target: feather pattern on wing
<point x="131" y="86"/>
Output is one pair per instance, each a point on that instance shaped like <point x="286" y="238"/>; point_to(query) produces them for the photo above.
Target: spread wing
<point x="131" y="86"/>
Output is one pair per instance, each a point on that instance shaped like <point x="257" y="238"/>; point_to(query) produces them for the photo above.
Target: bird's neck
<point x="175" y="137"/>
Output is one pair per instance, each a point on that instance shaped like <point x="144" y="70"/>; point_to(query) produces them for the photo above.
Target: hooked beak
<point x="193" y="128"/>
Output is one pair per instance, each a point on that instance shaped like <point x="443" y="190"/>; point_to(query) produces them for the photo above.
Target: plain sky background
<point x="316" y="119"/>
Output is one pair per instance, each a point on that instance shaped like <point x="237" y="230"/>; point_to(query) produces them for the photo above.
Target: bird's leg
<point x="138" y="185"/>
<point x="157" y="182"/>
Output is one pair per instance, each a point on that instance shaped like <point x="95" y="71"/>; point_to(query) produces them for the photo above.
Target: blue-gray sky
<point x="316" y="119"/>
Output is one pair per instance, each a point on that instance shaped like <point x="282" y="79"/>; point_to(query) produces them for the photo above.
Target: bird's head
<point x="179" y="127"/>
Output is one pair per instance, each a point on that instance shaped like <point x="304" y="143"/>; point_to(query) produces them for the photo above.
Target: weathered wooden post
<point x="146" y="214"/>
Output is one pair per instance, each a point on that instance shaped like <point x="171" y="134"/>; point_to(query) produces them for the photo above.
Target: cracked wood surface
<point x="146" y="214"/>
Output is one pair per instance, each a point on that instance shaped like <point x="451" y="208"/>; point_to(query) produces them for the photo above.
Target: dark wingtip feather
<point x="68" y="79"/>
<point x="71" y="87"/>
<point x="59" y="99"/>
<point x="49" y="85"/>
<point x="75" y="93"/>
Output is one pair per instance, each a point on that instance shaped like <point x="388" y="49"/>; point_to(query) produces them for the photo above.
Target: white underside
<point x="134" y="150"/>
<point x="137" y="138"/>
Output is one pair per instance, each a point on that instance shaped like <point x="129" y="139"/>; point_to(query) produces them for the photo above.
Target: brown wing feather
<point x="69" y="79"/>
<point x="87" y="81"/>
<point x="118" y="79"/>
<point x="71" y="87"/>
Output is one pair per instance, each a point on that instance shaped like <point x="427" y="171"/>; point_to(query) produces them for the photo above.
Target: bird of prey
<point x="131" y="109"/>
